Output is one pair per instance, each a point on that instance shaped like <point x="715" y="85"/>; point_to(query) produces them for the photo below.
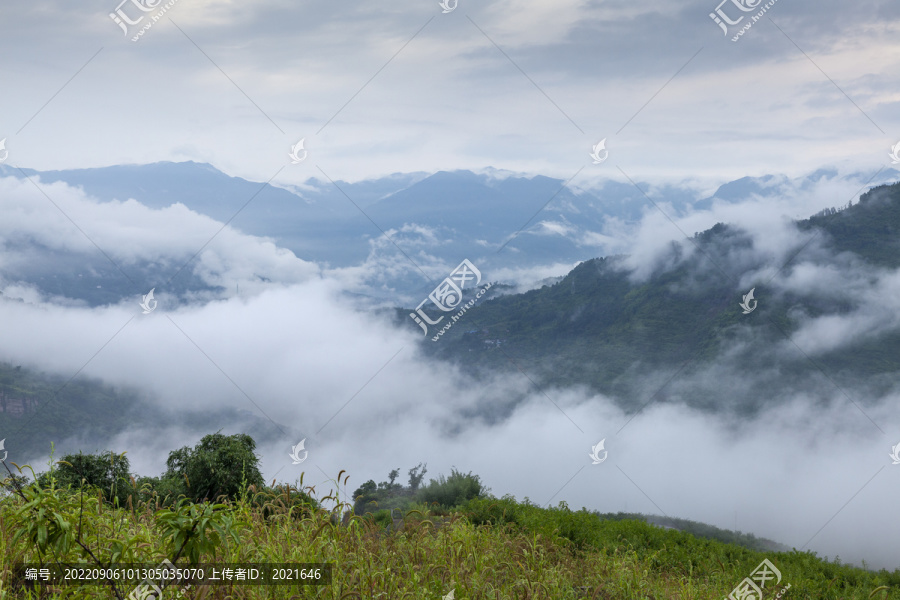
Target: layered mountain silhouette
<point x="500" y="221"/>
<point x="680" y="332"/>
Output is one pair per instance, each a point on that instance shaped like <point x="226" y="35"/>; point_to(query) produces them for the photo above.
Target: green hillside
<point x="599" y="328"/>
<point x="37" y="408"/>
<point x="474" y="545"/>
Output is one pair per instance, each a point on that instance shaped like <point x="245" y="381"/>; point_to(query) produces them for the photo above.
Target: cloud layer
<point x="528" y="86"/>
<point x="296" y="354"/>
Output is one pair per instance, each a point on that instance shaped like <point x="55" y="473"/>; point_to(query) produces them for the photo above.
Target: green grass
<point x="487" y="548"/>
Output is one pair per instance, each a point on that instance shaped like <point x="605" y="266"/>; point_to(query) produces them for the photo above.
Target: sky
<point x="377" y="88"/>
<point x="528" y="87"/>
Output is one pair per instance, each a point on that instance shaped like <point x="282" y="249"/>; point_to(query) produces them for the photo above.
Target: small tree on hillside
<point x="217" y="465"/>
<point x="107" y="471"/>
<point x="371" y="497"/>
<point x="415" y="477"/>
<point x="365" y="498"/>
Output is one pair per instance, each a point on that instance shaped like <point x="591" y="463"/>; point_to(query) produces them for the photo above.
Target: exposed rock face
<point x="16" y="406"/>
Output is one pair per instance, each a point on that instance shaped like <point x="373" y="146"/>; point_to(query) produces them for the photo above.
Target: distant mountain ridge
<point x="599" y="328"/>
<point x="434" y="219"/>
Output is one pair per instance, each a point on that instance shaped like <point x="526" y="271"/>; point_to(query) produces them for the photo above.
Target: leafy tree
<point x="217" y="465"/>
<point x="415" y="477"/>
<point x="365" y="497"/>
<point x="370" y="497"/>
<point x="168" y="488"/>
<point x="107" y="471"/>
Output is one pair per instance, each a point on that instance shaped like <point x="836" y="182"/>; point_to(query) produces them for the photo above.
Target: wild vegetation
<point x="450" y="535"/>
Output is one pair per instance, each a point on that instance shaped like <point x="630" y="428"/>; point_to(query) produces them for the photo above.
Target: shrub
<point x="452" y="491"/>
<point x="106" y="471"/>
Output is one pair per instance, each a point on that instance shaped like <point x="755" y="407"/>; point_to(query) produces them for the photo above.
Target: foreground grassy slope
<point x="485" y="548"/>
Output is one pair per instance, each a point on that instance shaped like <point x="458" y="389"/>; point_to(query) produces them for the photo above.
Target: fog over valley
<point x="565" y="300"/>
<point x="270" y="341"/>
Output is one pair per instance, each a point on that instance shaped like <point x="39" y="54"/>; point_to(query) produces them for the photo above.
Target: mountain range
<point x="613" y="327"/>
<point x="819" y="324"/>
<point x="503" y="222"/>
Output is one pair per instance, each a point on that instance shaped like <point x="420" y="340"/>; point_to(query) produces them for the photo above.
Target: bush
<point x="365" y="498"/>
<point x="106" y="471"/>
<point x="491" y="511"/>
<point x="371" y="497"/>
<point x="452" y="491"/>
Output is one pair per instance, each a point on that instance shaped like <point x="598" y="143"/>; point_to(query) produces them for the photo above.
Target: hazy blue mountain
<point x="205" y="189"/>
<point x="439" y="218"/>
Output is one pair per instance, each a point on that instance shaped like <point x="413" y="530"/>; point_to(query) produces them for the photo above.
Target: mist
<point x="807" y="469"/>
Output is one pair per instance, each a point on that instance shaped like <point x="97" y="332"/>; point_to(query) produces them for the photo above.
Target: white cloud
<point x="310" y="362"/>
<point x="64" y="219"/>
<point x="448" y="100"/>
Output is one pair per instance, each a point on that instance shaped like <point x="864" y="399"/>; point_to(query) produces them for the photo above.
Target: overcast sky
<point x="528" y="86"/>
<point x="383" y="87"/>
